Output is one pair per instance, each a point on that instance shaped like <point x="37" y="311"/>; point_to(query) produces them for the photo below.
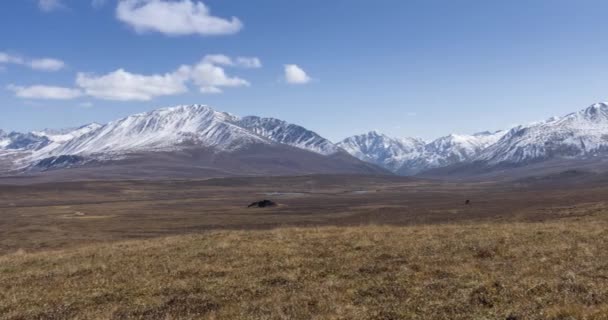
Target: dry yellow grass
<point x="551" y="270"/>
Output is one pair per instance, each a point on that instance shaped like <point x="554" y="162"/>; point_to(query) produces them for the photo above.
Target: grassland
<point x="49" y="216"/>
<point x="400" y="250"/>
<point x="551" y="270"/>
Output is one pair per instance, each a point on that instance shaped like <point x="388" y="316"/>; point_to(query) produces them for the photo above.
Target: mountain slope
<point x="380" y="149"/>
<point x="197" y="163"/>
<point x="580" y="135"/>
<point x="453" y="149"/>
<point x="409" y="156"/>
<point x="576" y="141"/>
<point x="197" y="138"/>
<point x="182" y="140"/>
<point x="287" y="133"/>
<point x="193" y="125"/>
<point x="63" y="135"/>
<point x="162" y="130"/>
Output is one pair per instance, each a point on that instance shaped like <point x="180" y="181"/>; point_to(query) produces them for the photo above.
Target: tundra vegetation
<point x="543" y="260"/>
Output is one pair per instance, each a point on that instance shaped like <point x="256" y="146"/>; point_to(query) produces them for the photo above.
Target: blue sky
<point x="408" y="68"/>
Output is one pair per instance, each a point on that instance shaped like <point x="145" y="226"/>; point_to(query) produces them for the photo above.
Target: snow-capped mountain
<point x="214" y="140"/>
<point x="63" y="135"/>
<point x="380" y="149"/>
<point x="18" y="150"/>
<point x="287" y="133"/>
<point x="578" y="135"/>
<point x="4" y="141"/>
<point x="190" y="126"/>
<point x="21" y="141"/>
<point x="457" y="148"/>
<point x="38" y="140"/>
<point x="174" y="129"/>
<point x="409" y="156"/>
<point x="162" y="130"/>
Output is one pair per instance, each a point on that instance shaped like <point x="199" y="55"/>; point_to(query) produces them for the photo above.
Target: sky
<point x="419" y="68"/>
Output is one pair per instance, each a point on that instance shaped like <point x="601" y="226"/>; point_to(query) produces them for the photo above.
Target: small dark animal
<point x="263" y="204"/>
<point x="468" y="202"/>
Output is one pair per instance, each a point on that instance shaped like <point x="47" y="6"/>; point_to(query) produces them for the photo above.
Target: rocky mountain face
<point x="282" y="132"/>
<point x="409" y="156"/>
<point x="577" y="136"/>
<point x="380" y="149"/>
<point x="196" y="135"/>
<point x="200" y="130"/>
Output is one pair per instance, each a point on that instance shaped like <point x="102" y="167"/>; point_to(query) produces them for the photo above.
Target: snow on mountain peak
<point x="383" y="150"/>
<point x="286" y="133"/>
<point x="410" y="155"/>
<point x="63" y="135"/>
<point x="579" y="134"/>
<point x="576" y="135"/>
<point x="165" y="129"/>
<point x="595" y="112"/>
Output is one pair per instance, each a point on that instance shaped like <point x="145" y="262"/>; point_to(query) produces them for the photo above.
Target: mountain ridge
<point x="577" y="135"/>
<point x="168" y="133"/>
<point x="580" y="135"/>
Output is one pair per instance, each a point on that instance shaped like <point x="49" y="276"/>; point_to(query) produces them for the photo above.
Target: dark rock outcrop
<point x="262" y="204"/>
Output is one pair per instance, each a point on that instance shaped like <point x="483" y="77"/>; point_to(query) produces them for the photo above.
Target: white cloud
<point x="120" y="85"/>
<point x="44" y="64"/>
<point x="249" y="62"/>
<point x="210" y="78"/>
<point x="7" y="58"/>
<point x="175" y="18"/>
<point x="219" y="59"/>
<point x="47" y="64"/>
<point x="223" y="60"/>
<point x="49" y="5"/>
<point x="86" y="104"/>
<point x="45" y="92"/>
<point x="296" y="75"/>
<point x="125" y="86"/>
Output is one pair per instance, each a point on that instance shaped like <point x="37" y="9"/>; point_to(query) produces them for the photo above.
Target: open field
<point x="336" y="247"/>
<point x="59" y="215"/>
<point x="548" y="270"/>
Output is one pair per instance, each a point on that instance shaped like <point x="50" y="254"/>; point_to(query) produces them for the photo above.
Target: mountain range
<point x="181" y="141"/>
<point x="199" y="141"/>
<point x="580" y="136"/>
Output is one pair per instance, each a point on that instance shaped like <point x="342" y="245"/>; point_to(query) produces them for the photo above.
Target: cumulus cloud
<point x="47" y="64"/>
<point x="210" y="78"/>
<point x="121" y="85"/>
<point x="223" y="60"/>
<point x="43" y="64"/>
<point x="175" y="18"/>
<point x="49" y="5"/>
<point x="125" y="86"/>
<point x="218" y="59"/>
<point x="45" y="92"/>
<point x="7" y="58"/>
<point x="249" y="62"/>
<point x="296" y="75"/>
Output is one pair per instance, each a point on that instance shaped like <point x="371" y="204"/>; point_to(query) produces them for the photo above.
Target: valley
<point x="42" y="215"/>
<point x="336" y="246"/>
